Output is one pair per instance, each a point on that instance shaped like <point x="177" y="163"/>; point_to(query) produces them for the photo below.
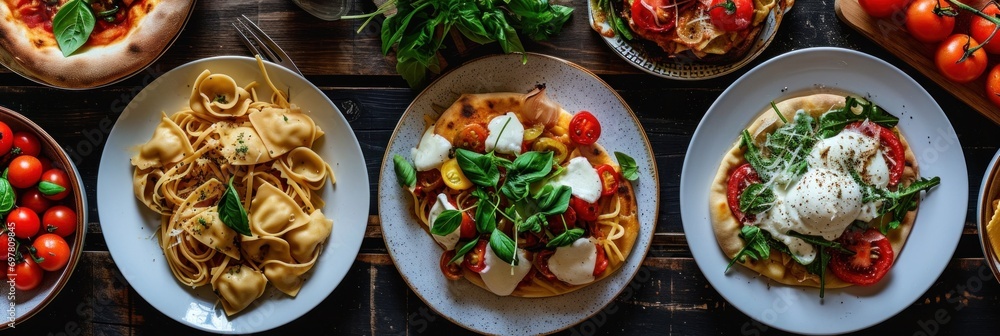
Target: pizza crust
<point x="93" y="66"/>
<point x="779" y="266"/>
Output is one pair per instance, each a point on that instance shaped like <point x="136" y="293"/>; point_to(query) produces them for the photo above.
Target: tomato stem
<point x="944" y="11"/>
<point x="969" y="51"/>
<point x="729" y="6"/>
<point x="963" y="6"/>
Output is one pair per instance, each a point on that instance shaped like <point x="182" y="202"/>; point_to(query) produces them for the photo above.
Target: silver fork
<point x="262" y="44"/>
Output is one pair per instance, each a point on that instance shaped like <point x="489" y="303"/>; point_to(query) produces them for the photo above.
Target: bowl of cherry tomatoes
<point x="44" y="212"/>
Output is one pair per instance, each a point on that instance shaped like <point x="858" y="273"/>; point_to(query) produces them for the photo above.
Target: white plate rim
<point x="707" y="253"/>
<point x="351" y="228"/>
<point x="646" y="173"/>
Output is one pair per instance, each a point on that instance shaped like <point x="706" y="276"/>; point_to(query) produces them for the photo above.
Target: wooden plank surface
<point x="674" y="298"/>
<point x="891" y="34"/>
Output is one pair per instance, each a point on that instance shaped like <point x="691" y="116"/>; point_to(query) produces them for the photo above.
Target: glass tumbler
<point x="325" y="9"/>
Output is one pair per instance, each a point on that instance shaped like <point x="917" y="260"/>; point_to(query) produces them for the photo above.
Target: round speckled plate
<point x="940" y="219"/>
<point x="415" y="253"/>
<point x="639" y="55"/>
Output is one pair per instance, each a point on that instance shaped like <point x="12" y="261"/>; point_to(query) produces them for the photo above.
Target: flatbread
<point x="780" y="267"/>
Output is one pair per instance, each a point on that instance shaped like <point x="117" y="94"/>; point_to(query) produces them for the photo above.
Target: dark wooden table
<point x="373" y="299"/>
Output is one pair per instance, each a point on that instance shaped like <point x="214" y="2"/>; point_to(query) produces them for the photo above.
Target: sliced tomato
<point x="584" y="129"/>
<point x="892" y="148"/>
<point x="475" y="260"/>
<point x="542" y="262"/>
<point x="472" y="137"/>
<point x="871" y="259"/>
<point x="556" y="221"/>
<point x="468" y="227"/>
<point x="609" y="179"/>
<point x="741" y="178"/>
<point x="602" y="261"/>
<point x="429" y="181"/>
<point x="646" y="17"/>
<point x="451" y="271"/>
<point x="584" y="210"/>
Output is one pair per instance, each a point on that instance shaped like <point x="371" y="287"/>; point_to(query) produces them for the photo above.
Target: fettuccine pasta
<point x="265" y="148"/>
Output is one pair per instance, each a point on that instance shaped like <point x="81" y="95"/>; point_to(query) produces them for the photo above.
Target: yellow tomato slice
<point x="558" y="149"/>
<point x="453" y="176"/>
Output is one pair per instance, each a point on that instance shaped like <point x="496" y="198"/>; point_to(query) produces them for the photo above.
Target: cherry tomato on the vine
<point x="981" y="29"/>
<point x="950" y="62"/>
<point x="993" y="85"/>
<point x="930" y="21"/>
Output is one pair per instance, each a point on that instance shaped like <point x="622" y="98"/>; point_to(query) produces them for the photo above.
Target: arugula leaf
<point x="791" y="144"/>
<point x="819" y="268"/>
<point x="755" y="157"/>
<point x="72" y="26"/>
<point x="756" y="198"/>
<point x="820" y="242"/>
<point x="231" y="211"/>
<point x="756" y="246"/>
<point x="446" y="222"/>
<point x="565" y="238"/>
<point x="897" y="203"/>
<point x="831" y="123"/>
<point x="629" y="169"/>
<point x="462" y="251"/>
<point x="503" y="247"/>
<point x="478" y="168"/>
<point x="405" y="173"/>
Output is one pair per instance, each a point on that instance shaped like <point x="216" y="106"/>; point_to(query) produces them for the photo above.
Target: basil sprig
<point x="565" y="238"/>
<point x="72" y="26"/>
<point x="503" y="246"/>
<point x="526" y="169"/>
<point x="629" y="169"/>
<point x="231" y="211"/>
<point x="446" y="222"/>
<point x="405" y="173"/>
<point x="481" y="169"/>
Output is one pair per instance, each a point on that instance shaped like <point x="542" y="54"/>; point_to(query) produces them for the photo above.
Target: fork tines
<point x="261" y="44"/>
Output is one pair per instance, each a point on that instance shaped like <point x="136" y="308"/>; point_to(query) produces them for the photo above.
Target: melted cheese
<point x="499" y="276"/>
<point x="582" y="178"/>
<point x="431" y="152"/>
<point x="449" y="240"/>
<point x="574" y="264"/>
<point x="506" y="134"/>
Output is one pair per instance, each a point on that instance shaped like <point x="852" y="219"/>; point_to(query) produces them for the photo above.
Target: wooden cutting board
<point x="891" y="34"/>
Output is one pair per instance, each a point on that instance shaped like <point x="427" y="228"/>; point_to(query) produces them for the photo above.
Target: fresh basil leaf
<point x="503" y="247"/>
<point x="629" y="169"/>
<point x="555" y="201"/>
<point x="756" y="246"/>
<point x="462" y="251"/>
<point x="831" y="123"/>
<point x="565" y="238"/>
<point x="534" y="223"/>
<point x="533" y="166"/>
<point x="756" y="198"/>
<point x="231" y="211"/>
<point x="72" y="26"/>
<point x="447" y="222"/>
<point x="538" y="19"/>
<point x="48" y="188"/>
<point x="405" y="174"/>
<point x="478" y="168"/>
<point x="7" y="198"/>
<point x="486" y="218"/>
<point x="515" y="188"/>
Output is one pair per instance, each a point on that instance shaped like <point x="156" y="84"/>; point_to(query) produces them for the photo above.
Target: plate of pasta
<point x="243" y="213"/>
<point x="502" y="204"/>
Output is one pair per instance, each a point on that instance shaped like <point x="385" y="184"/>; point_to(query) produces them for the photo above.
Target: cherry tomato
<point x="32" y="199"/>
<point x="28" y="143"/>
<point x="980" y="29"/>
<point x="584" y="129"/>
<point x="927" y="22"/>
<point x="883" y="8"/>
<point x="58" y="177"/>
<point x="609" y="179"/>
<point x="475" y="260"/>
<point x="24" y="171"/>
<point x="451" y="271"/>
<point x="556" y="221"/>
<point x="584" y="210"/>
<point x="472" y="137"/>
<point x="993" y="85"/>
<point x="6" y="138"/>
<point x="60" y="220"/>
<point x="871" y="259"/>
<point x="892" y="148"/>
<point x="542" y="261"/>
<point x="46" y="163"/>
<point x="731" y="15"/>
<point x="741" y="178"/>
<point x="468" y="227"/>
<point x="646" y="17"/>
<point x="24" y="222"/>
<point x="53" y="249"/>
<point x="27" y="275"/>
<point x="428" y="181"/>
<point x="949" y="59"/>
<point x="602" y="261"/>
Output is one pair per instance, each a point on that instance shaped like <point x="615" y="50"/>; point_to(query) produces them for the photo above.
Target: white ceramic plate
<point x="129" y="226"/>
<point x="940" y="219"/>
<point x="415" y="253"/>
<point x="684" y="68"/>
